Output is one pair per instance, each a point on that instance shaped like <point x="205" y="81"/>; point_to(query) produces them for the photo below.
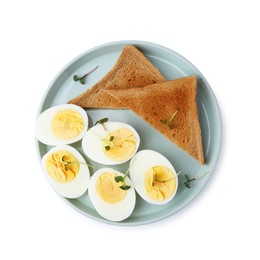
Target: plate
<point x="171" y="65"/>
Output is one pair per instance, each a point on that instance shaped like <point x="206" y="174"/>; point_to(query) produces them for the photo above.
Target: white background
<point x="221" y="38"/>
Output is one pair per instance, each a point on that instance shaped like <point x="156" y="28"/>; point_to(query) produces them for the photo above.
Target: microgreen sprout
<point x="82" y="79"/>
<point x="66" y="163"/>
<point x="111" y="137"/>
<point x="188" y="183"/>
<point x="169" y="121"/>
<point x="122" y="179"/>
<point x="155" y="178"/>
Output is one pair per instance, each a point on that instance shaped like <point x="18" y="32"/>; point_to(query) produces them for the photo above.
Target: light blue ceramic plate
<point x="172" y="66"/>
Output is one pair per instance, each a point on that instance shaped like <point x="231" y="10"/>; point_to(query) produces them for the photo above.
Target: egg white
<point x="43" y="131"/>
<point x="79" y="185"/>
<point x="140" y="164"/>
<point x="93" y="146"/>
<point x="112" y="211"/>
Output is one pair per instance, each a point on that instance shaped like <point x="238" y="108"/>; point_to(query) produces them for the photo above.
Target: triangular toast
<point x="132" y="69"/>
<point x="156" y="103"/>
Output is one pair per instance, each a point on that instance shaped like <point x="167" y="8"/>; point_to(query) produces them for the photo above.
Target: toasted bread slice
<point x="157" y="103"/>
<point x="132" y="69"/>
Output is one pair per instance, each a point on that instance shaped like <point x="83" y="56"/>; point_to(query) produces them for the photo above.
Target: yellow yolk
<point x="62" y="166"/>
<point x="160" y="183"/>
<point x="67" y="124"/>
<point x="122" y="146"/>
<point x="108" y="189"/>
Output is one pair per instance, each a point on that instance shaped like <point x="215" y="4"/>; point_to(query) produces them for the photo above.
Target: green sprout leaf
<point x="102" y="121"/>
<point x="75" y="78"/>
<point x="82" y="80"/>
<point x="119" y="179"/>
<point x="107" y="147"/>
<point x="125" y="187"/>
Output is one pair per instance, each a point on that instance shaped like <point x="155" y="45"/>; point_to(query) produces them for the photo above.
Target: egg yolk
<point x="160" y="183"/>
<point x="108" y="189"/>
<point x="67" y="124"/>
<point x="122" y="146"/>
<point x="62" y="166"/>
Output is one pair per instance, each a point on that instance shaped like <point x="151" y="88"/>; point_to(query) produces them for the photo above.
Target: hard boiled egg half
<point x="66" y="171"/>
<point x="109" y="199"/>
<point x="111" y="143"/>
<point x="154" y="177"/>
<point x="61" y="124"/>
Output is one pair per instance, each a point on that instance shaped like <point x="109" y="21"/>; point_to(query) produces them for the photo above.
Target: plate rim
<point x="217" y="116"/>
